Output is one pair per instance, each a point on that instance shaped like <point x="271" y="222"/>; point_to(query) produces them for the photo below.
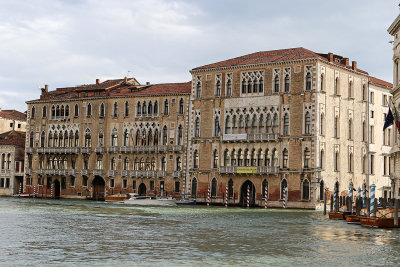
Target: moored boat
<point x="353" y="219"/>
<point x="377" y="222"/>
<point x="119" y="197"/>
<point x="186" y="202"/>
<point x="339" y="215"/>
<point x="150" y="201"/>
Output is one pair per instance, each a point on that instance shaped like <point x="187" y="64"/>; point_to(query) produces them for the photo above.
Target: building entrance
<point x="142" y="189"/>
<point x="99" y="186"/>
<point x="243" y="194"/>
<point x="57" y="189"/>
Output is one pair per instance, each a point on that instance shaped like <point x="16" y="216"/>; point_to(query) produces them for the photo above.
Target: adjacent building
<point x="107" y="138"/>
<point x="12" y="120"/>
<point x="12" y="145"/>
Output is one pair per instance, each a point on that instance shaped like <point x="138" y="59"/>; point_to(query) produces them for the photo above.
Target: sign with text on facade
<point x="246" y="170"/>
<point x="231" y="137"/>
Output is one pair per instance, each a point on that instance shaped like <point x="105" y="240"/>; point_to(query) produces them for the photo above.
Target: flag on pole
<point x="389" y="119"/>
<point x="397" y="118"/>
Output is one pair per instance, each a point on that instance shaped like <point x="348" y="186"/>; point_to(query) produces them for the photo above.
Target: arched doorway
<point x="243" y="193"/>
<point x="142" y="189"/>
<point x="99" y="186"/>
<point x="57" y="189"/>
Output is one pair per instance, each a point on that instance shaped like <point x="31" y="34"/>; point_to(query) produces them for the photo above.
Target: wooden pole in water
<point x="375" y="206"/>
<point x="325" y="202"/>
<point x="331" y="206"/>
<point x="396" y="213"/>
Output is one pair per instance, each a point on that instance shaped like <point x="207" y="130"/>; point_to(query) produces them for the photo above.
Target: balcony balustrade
<point x="98" y="172"/>
<point x="248" y="170"/>
<point x="161" y="174"/>
<point x="99" y="150"/>
<point x="86" y="150"/>
<point x="124" y="173"/>
<point x="85" y="172"/>
<point x="177" y="174"/>
<point x="251" y="137"/>
<point x="177" y="148"/>
<point x="29" y="150"/>
<point x="111" y="173"/>
<point x="5" y="171"/>
<point x="143" y="174"/>
<point x="112" y="149"/>
<point x="28" y="171"/>
<point x="58" y="150"/>
<point x="72" y="172"/>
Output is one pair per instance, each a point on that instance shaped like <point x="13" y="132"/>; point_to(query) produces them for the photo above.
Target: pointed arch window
<point x="274" y="158"/>
<point x="286" y="124"/>
<point x="53" y="112"/>
<point x="244" y="86"/>
<point x="165" y="135"/>
<point x="33" y="111"/>
<point x="181" y="106"/>
<point x="337" y="159"/>
<point x="180" y="135"/>
<point x="126" y="112"/>
<point x="218" y="88"/>
<point x="307" y="158"/>
<point x="307" y="123"/>
<point x="350" y="129"/>
<point x="163" y="164"/>
<point x="114" y="137"/>
<point x="351" y="162"/>
<point x="198" y="89"/>
<point x="287" y="83"/>
<point x="308" y="81"/>
<point x="101" y="139"/>
<point x="155" y="108"/>
<point x="261" y="124"/>
<point x="215" y="159"/>
<point x="195" y="159"/>
<point x="233" y="158"/>
<point x="197" y="127"/>
<point x="229" y="88"/>
<point x="150" y="109"/>
<point x="216" y="126"/>
<point x="112" y="164"/>
<point x="285" y="158"/>
<point x="226" y="157"/>
<point x="276" y="84"/>
<point x="178" y="164"/>
<point x="138" y="109"/>
<point x="322" y="124"/>
<point x="31" y="139"/>
<point x="351" y="89"/>
<point x="336" y="88"/>
<point x="166" y="111"/>
<point x="42" y="139"/>
<point x="126" y="138"/>
<point x="249" y="86"/>
<point x="102" y="111"/>
<point x="89" y="110"/>
<point x="126" y="164"/>
<point x="44" y="112"/>
<point x="322" y="82"/>
<point x="88" y="138"/>
<point x="76" y="110"/>
<point x="144" y="108"/>
<point x="115" y="110"/>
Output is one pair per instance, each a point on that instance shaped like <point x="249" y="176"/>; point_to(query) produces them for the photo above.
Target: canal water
<point x="37" y="232"/>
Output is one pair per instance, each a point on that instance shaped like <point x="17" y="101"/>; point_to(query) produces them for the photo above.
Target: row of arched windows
<point x="246" y="123"/>
<point x="253" y="157"/>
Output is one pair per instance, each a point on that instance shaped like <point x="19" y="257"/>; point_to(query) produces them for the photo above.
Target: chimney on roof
<point x="125" y="80"/>
<point x="330" y="57"/>
<point x="346" y="61"/>
<point x="97" y="81"/>
<point x="45" y="90"/>
<point x="354" y="65"/>
<point x="147" y="83"/>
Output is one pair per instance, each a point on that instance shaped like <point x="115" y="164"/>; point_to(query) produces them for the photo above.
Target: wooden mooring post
<point x="396" y="212"/>
<point x="331" y="210"/>
<point x="325" y="202"/>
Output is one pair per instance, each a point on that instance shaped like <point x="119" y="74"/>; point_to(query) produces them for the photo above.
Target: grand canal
<point x="64" y="232"/>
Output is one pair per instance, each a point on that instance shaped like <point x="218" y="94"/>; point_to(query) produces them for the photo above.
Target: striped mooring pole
<point x="351" y="192"/>
<point x="208" y="195"/>
<point x="266" y="197"/>
<point x="334" y="200"/>
<point x="248" y="196"/>
<point x="34" y="190"/>
<point x="359" y="192"/>
<point x="372" y="209"/>
<point x="226" y="196"/>
<point x="363" y="194"/>
<point x="20" y="188"/>
<point x="38" y="190"/>
<point x="52" y="195"/>
<point x="284" y="198"/>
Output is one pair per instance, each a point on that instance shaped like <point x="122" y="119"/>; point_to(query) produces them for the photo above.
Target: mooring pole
<point x="325" y="202"/>
<point x="331" y="206"/>
<point x="396" y="212"/>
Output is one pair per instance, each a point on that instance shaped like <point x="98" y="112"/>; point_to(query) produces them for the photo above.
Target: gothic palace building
<point x="286" y="118"/>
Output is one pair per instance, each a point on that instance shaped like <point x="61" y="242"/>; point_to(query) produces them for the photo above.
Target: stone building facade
<point x="12" y="120"/>
<point x="108" y="138"/>
<point x="286" y="118"/>
<point x="12" y="145"/>
<point x="394" y="30"/>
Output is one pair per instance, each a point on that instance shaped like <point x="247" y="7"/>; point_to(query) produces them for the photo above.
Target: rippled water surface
<point x="64" y="232"/>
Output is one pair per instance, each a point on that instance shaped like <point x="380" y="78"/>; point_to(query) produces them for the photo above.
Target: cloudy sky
<point x="70" y="42"/>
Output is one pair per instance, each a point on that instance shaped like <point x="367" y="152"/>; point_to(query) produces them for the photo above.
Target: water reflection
<point x="42" y="232"/>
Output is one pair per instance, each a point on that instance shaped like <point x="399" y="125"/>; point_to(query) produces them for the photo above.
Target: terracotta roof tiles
<point x="380" y="82"/>
<point x="12" y="115"/>
<point x="14" y="138"/>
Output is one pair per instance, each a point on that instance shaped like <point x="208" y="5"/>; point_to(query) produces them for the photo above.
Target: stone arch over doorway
<point x="142" y="189"/>
<point x="99" y="187"/>
<point x="243" y="193"/>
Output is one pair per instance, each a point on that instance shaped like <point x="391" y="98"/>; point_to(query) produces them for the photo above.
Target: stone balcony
<point x="161" y="174"/>
<point x="111" y="173"/>
<point x="176" y="174"/>
<point x="58" y="150"/>
<point x="112" y="149"/>
<point x="250" y="137"/>
<point x="178" y="148"/>
<point x="143" y="149"/>
<point x="85" y="172"/>
<point x="56" y="172"/>
<point x="29" y="150"/>
<point x="98" y="172"/>
<point x="124" y="173"/>
<point x="99" y="150"/>
<point x="143" y="174"/>
<point x="28" y="171"/>
<point x="248" y="170"/>
<point x="86" y="150"/>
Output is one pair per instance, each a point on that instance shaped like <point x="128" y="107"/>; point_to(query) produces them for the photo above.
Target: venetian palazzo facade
<point x="286" y="118"/>
<point x="108" y="138"/>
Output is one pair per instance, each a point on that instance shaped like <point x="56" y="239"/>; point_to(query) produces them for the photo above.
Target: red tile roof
<point x="265" y="57"/>
<point x="272" y="56"/>
<point x="380" y="82"/>
<point x="14" y="138"/>
<point x="154" y="89"/>
<point x="12" y="115"/>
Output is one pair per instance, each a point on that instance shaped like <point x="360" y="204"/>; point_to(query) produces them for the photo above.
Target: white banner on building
<point x="232" y="137"/>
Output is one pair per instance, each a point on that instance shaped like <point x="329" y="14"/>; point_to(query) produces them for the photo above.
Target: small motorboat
<point x="150" y="201"/>
<point x="339" y="215"/>
<point x="377" y="222"/>
<point x="353" y="219"/>
<point x="186" y="202"/>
